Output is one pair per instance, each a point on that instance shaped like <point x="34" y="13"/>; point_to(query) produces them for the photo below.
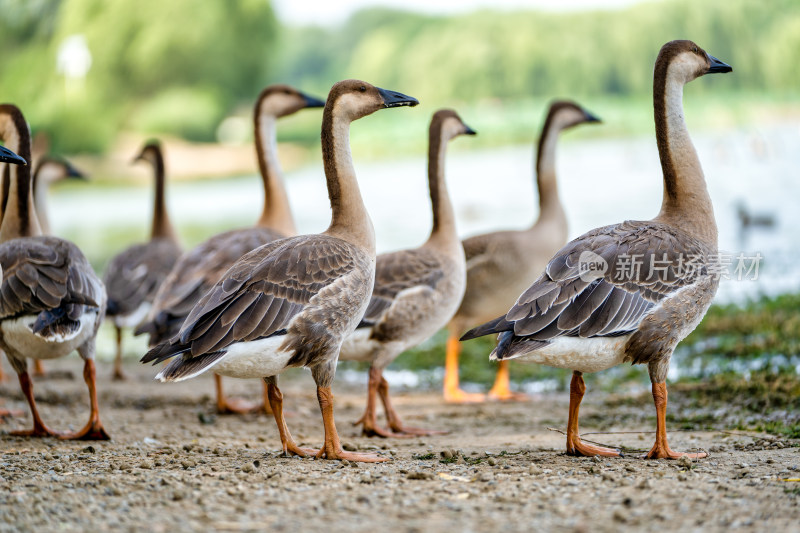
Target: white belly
<point x="133" y="319"/>
<point x="17" y="334"/>
<point x="254" y="359"/>
<point x="576" y="353"/>
<point x="358" y="346"/>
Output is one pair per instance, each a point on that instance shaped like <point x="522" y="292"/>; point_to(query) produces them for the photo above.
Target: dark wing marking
<point x="134" y="275"/>
<point x="194" y="274"/>
<point x="399" y="271"/>
<point x="647" y="262"/>
<point x="261" y="294"/>
<point x="45" y="273"/>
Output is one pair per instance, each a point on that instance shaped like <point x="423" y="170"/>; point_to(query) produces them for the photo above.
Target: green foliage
<point x="166" y="67"/>
<point x="765" y="326"/>
<point x="542" y="54"/>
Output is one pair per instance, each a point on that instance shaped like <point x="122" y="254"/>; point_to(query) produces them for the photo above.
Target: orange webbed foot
<point x="460" y="396"/>
<point x="664" y="452"/>
<point x="579" y="448"/>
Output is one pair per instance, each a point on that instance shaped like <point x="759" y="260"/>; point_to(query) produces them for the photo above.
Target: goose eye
<point x="362" y="89"/>
<point x="694" y="49"/>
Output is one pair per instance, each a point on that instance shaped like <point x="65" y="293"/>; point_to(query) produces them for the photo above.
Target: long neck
<point x="5" y="173"/>
<point x="350" y="220"/>
<point x="550" y="207"/>
<point x="277" y="214"/>
<point x="686" y="202"/>
<point x="162" y="227"/>
<point x="444" y="224"/>
<point x="19" y="218"/>
<point x="40" y="199"/>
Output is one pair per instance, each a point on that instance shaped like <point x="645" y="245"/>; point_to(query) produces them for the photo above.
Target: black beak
<point x="312" y="102"/>
<point x="469" y="131"/>
<point x="7" y="156"/>
<point x="74" y="173"/>
<point x="717" y="66"/>
<point x="590" y="117"/>
<point x="395" y="99"/>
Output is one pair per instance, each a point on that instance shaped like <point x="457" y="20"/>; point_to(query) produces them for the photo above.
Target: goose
<point x="502" y="264"/>
<point x="200" y="268"/>
<point x="628" y="292"/>
<point x="51" y="301"/>
<point x="49" y="170"/>
<point x="7" y="156"/>
<point x="134" y="275"/>
<point x="293" y="302"/>
<point x="416" y="291"/>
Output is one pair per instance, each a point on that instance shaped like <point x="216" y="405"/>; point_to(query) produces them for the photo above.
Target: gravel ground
<point x="175" y="466"/>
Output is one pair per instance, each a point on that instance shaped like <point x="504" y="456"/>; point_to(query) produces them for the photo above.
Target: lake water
<point x="601" y="182"/>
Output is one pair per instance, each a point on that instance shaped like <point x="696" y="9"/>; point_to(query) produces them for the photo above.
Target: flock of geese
<point x="252" y="302"/>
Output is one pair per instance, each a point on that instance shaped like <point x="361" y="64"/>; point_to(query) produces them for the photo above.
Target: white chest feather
<point x="18" y="335"/>
<point x="583" y="355"/>
<point x="254" y="359"/>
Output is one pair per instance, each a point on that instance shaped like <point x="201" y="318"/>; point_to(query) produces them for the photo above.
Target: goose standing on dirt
<point x="500" y="265"/>
<point x="293" y="302"/>
<point x="51" y="301"/>
<point x="134" y="275"/>
<point x="49" y="171"/>
<point x="628" y="292"/>
<point x="199" y="269"/>
<point x="416" y="291"/>
<point x="6" y="156"/>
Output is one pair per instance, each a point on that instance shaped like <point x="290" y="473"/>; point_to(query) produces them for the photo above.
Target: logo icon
<point x="591" y="266"/>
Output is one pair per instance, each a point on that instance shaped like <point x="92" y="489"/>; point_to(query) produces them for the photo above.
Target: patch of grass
<point x="424" y="457"/>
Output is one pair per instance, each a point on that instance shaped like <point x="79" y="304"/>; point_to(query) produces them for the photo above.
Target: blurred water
<point x="601" y="182"/>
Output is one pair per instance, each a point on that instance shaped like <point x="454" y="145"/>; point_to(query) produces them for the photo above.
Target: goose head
<point x="281" y="100"/>
<point x="151" y="152"/>
<point x="686" y="61"/>
<point x="450" y="124"/>
<point x="7" y="156"/>
<point x="52" y="169"/>
<point x="354" y="99"/>
<point x="564" y="114"/>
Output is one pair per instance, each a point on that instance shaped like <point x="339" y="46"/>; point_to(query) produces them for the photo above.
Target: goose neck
<point x="162" y="226"/>
<point x="19" y="217"/>
<point x="350" y="220"/>
<point x="444" y="225"/>
<point x="686" y="201"/>
<point x="276" y="213"/>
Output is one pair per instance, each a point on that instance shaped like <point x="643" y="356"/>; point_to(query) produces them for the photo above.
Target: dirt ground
<point x="173" y="465"/>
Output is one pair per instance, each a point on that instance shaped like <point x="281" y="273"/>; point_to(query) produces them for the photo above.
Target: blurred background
<point x="95" y="79"/>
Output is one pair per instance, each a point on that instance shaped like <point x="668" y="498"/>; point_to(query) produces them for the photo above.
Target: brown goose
<point x="134" y="275"/>
<point x="199" y="269"/>
<point x="416" y="291"/>
<point x="49" y="171"/>
<point x="500" y="265"/>
<point x="292" y="302"/>
<point x="631" y="291"/>
<point x="52" y="302"/>
<point x="7" y="156"/>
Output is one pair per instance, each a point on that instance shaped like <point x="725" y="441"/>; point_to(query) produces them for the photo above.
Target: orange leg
<point x="502" y="389"/>
<point x="394" y="420"/>
<point x="118" y="375"/>
<point x="332" y="449"/>
<point x="93" y="430"/>
<point x="275" y="399"/>
<point x="452" y="391"/>
<point x="236" y="406"/>
<point x="370" y="417"/>
<point x="38" y="368"/>
<point x="661" y="449"/>
<point x="577" y="388"/>
<point x="39" y="429"/>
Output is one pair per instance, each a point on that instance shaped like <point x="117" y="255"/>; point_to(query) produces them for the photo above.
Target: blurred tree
<point x="165" y="67"/>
